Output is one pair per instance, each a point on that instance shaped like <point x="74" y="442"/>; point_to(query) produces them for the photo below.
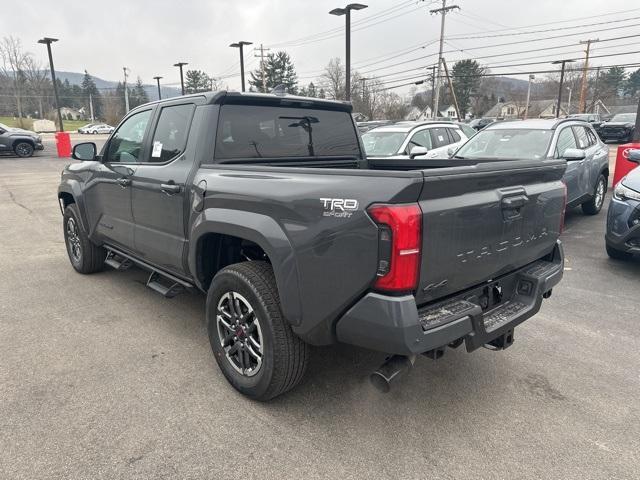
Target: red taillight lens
<point x="401" y="228"/>
<point x="564" y="207"/>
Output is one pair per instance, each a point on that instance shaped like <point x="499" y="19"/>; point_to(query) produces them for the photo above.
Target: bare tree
<point x="333" y="80"/>
<point x="14" y="61"/>
<point x="39" y="87"/>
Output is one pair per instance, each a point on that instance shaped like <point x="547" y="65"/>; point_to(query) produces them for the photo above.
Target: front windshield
<point x="624" y="117"/>
<point x="383" y="144"/>
<point x="508" y="144"/>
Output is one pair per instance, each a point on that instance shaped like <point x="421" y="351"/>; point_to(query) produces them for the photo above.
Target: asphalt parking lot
<point x="102" y="378"/>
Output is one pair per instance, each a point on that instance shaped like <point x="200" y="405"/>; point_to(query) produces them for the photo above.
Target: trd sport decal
<point x="339" y="207"/>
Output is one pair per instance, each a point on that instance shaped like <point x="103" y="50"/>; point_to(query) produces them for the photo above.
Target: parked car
<point x="98" y="128"/>
<point x="619" y="129"/>
<point x="480" y="123"/>
<point x="85" y="128"/>
<point x="623" y="218"/>
<point x="573" y="140"/>
<point x="593" y="118"/>
<point x="430" y="139"/>
<point x="269" y="204"/>
<point x="19" y="141"/>
<point x="370" y="125"/>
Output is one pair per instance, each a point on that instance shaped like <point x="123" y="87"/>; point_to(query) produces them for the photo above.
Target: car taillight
<point x="564" y="207"/>
<point x="399" y="242"/>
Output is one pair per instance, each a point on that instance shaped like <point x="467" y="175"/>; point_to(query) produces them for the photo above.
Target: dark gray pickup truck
<point x="269" y="205"/>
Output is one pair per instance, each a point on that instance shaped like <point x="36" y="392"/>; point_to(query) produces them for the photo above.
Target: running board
<point x="161" y="282"/>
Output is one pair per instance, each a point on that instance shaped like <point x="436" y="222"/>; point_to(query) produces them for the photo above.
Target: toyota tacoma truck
<point x="268" y="204"/>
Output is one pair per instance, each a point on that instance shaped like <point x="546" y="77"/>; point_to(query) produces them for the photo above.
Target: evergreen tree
<point x="311" y="90"/>
<point x="467" y="75"/>
<point x="89" y="88"/>
<point x="613" y="82"/>
<point x="197" y="81"/>
<point x="632" y="85"/>
<point x="137" y="94"/>
<point x="278" y="70"/>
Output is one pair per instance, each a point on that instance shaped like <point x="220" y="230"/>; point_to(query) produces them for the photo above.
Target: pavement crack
<point x="15" y="201"/>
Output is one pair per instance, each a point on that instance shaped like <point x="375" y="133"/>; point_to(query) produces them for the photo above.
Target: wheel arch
<point x="217" y="238"/>
<point x="68" y="193"/>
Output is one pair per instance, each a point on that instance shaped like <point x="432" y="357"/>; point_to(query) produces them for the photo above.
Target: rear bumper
<point x="396" y="325"/>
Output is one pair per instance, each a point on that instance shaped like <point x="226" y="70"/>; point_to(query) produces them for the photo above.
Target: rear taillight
<point x="564" y="207"/>
<point x="399" y="241"/>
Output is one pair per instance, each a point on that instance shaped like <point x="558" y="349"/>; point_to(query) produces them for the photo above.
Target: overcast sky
<point x="150" y="36"/>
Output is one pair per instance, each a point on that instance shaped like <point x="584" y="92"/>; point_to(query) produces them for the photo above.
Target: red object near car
<point x="623" y="165"/>
<point x="63" y="144"/>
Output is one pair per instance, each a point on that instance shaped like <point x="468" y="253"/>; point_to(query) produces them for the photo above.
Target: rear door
<point x="159" y="189"/>
<point x="480" y="225"/>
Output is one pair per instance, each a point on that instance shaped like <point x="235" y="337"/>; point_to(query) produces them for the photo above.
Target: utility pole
<point x="91" y="106"/>
<point x="595" y="91"/>
<point x="453" y="92"/>
<point x="180" y="65"/>
<point x="261" y="57"/>
<point x="442" y="11"/>
<point x="364" y="93"/>
<point x="126" y="91"/>
<point x="562" y="63"/>
<point x="48" y="41"/>
<point x="433" y="90"/>
<point x="569" y="104"/>
<point x="583" y="90"/>
<point x="157" y="79"/>
<point x="526" y="107"/>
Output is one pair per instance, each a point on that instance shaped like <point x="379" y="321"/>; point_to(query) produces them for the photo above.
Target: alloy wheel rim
<point x="600" y="193"/>
<point x="73" y="240"/>
<point x="240" y="333"/>
<point x="23" y="149"/>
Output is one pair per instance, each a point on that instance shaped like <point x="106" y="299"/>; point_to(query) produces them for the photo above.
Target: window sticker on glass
<point x="440" y="138"/>
<point x="157" y="149"/>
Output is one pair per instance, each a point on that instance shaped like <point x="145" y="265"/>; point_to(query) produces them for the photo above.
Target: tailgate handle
<point x="514" y="202"/>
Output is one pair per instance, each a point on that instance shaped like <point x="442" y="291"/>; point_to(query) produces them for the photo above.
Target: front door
<point x="108" y="194"/>
<point x="159" y="190"/>
<point x="572" y="176"/>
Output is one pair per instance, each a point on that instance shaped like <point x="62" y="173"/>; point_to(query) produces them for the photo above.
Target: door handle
<point x="170" y="188"/>
<point x="124" y="182"/>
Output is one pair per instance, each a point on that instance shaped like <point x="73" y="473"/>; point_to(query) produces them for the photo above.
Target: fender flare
<point x="266" y="233"/>
<point x="72" y="187"/>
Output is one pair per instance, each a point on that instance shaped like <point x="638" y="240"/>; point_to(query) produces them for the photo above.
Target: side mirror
<point x="417" y="150"/>
<point x="450" y="152"/>
<point x="634" y="156"/>
<point x="574" y="154"/>
<point x="85" y="152"/>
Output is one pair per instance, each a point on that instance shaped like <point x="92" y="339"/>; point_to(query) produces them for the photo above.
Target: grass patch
<point x="27" y="123"/>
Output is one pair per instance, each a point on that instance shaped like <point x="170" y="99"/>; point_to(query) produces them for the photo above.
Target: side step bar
<point x="161" y="282"/>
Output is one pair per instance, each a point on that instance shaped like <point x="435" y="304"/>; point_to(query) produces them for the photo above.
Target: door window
<point x="170" y="137"/>
<point x="126" y="144"/>
<point x="582" y="137"/>
<point x="593" y="140"/>
<point x="453" y="135"/>
<point x="421" y="139"/>
<point x="566" y="140"/>
<point x="439" y="137"/>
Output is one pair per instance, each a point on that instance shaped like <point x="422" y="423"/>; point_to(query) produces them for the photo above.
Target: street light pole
<point x="346" y="11"/>
<point x="48" y="41"/>
<point x="240" y="45"/>
<point x="126" y="91"/>
<point x="157" y="79"/>
<point x="562" y="63"/>
<point x="526" y="107"/>
<point x="180" y="65"/>
<point x="569" y="104"/>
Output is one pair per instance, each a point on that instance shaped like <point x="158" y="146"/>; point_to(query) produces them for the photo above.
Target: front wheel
<point x="23" y="149"/>
<point x="617" y="254"/>
<point x="253" y="344"/>
<point x="593" y="206"/>
<point x="84" y="255"/>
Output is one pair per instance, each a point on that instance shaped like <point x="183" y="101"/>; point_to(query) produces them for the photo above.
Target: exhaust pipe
<point x="392" y="370"/>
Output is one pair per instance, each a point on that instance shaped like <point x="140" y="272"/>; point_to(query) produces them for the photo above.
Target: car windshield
<point x="383" y="144"/>
<point x="508" y="143"/>
<point x="624" y="117"/>
<point x="580" y="116"/>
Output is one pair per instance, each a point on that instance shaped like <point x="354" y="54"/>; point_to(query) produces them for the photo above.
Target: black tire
<point x="618" y="254"/>
<point x="594" y="205"/>
<point x="284" y="356"/>
<point x="23" y="149"/>
<point x="91" y="257"/>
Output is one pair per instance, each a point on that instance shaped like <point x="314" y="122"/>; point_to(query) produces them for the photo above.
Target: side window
<point x="439" y="137"/>
<point x="581" y="136"/>
<point x="453" y="135"/>
<point x="170" y="137"/>
<point x="468" y="131"/>
<point x="420" y="138"/>
<point x="126" y="143"/>
<point x="593" y="140"/>
<point x="566" y="140"/>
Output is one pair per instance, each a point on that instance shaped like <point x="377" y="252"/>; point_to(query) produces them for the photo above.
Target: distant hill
<point x="75" y="78"/>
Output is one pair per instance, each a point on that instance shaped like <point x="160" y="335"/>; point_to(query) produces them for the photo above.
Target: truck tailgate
<point x="480" y="224"/>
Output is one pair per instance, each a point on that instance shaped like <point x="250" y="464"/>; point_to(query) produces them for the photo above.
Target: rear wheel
<point x="253" y="344"/>
<point x="84" y="255"/>
<point x="23" y="149"/>
<point x="593" y="206"/>
<point x="618" y="254"/>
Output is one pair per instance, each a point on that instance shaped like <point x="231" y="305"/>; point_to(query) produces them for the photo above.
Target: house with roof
<point x="516" y="109"/>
